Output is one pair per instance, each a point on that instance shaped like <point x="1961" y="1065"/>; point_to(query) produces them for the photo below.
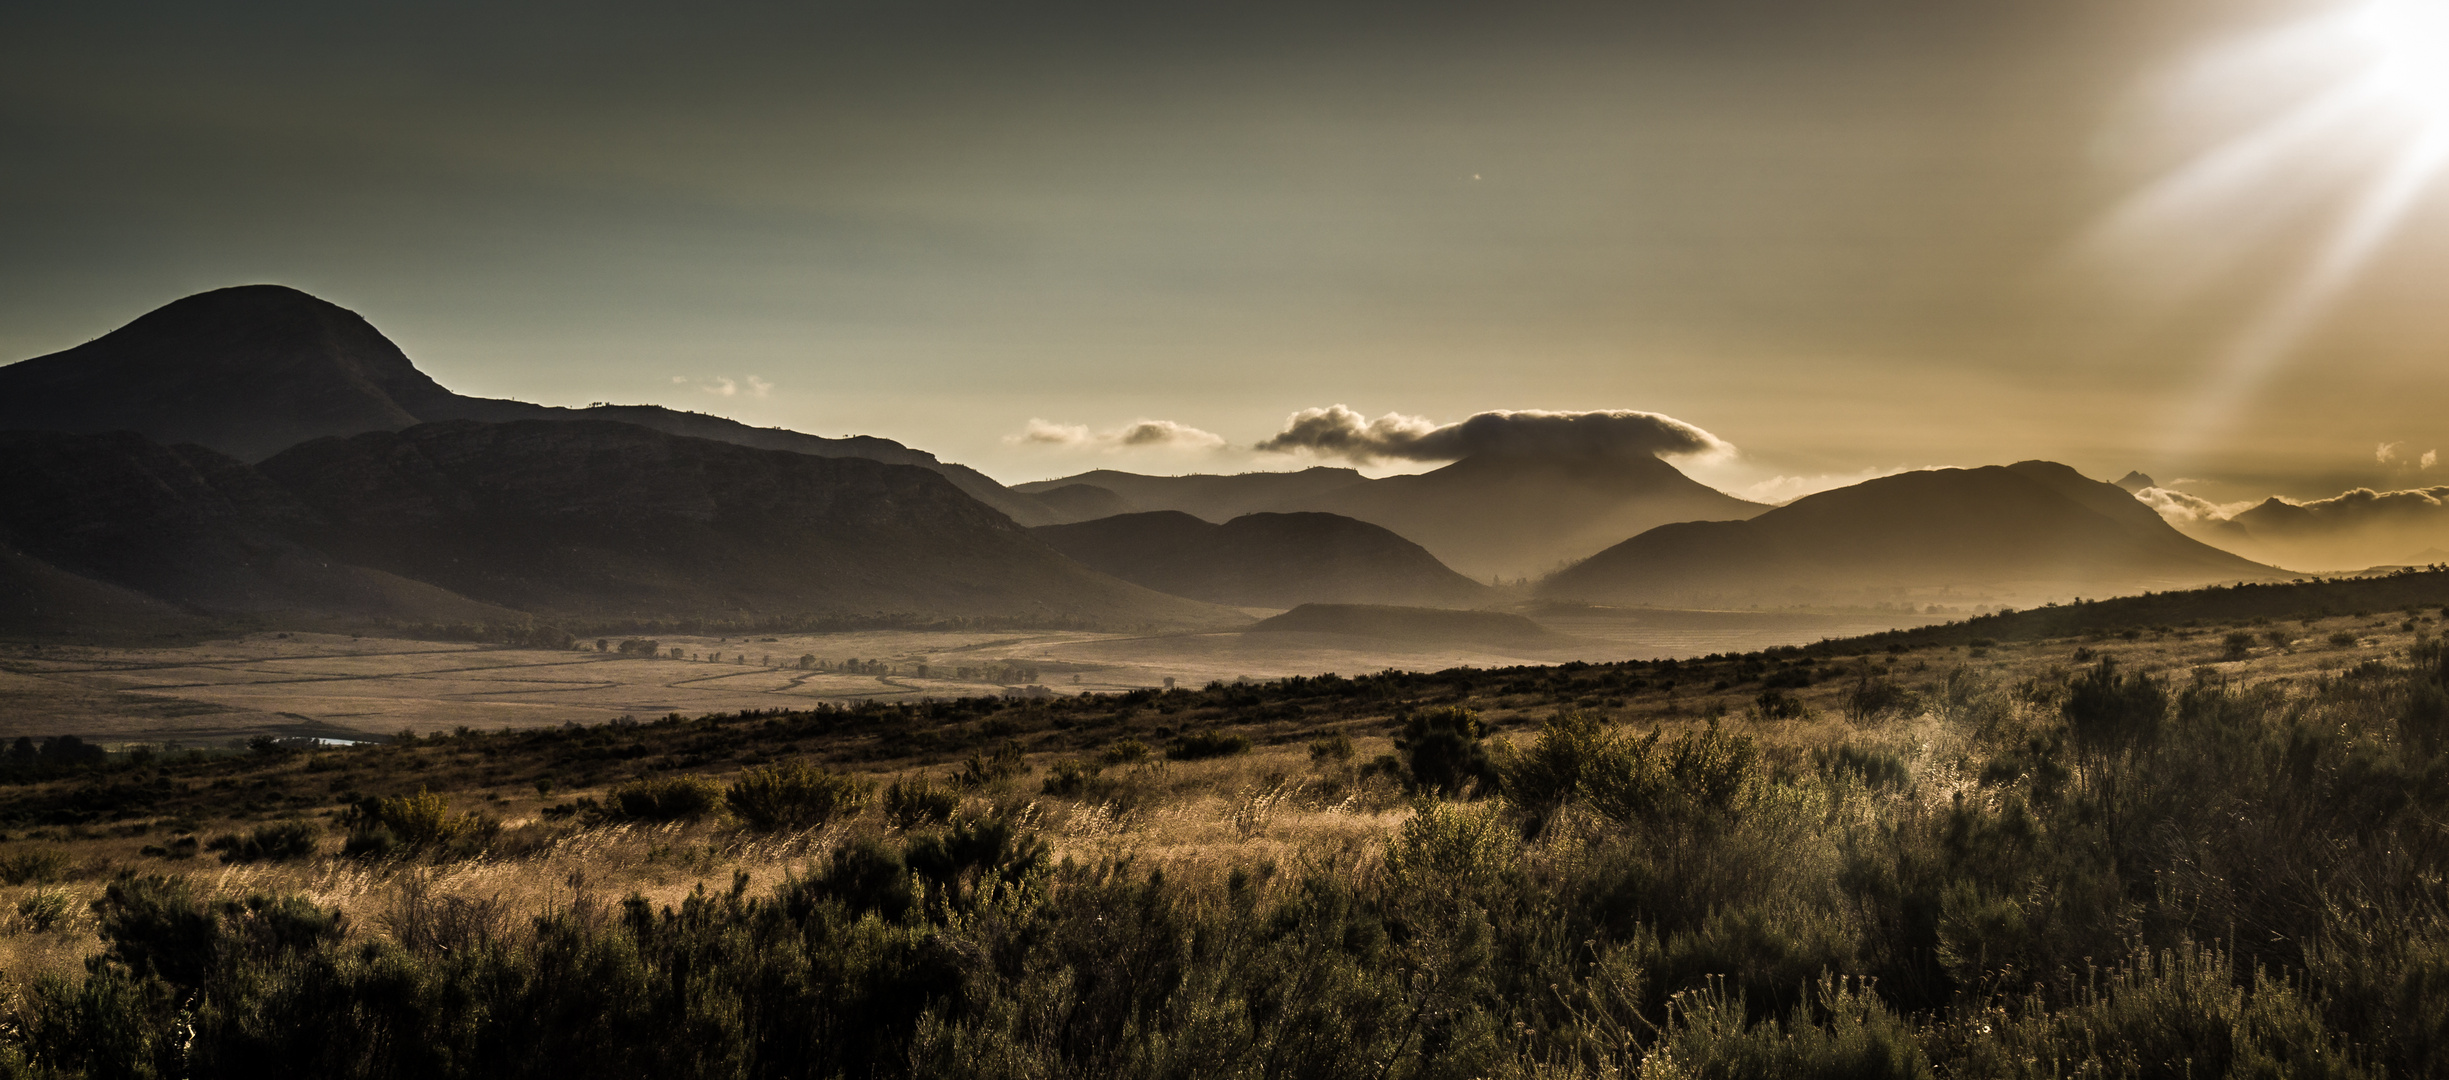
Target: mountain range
<point x="1488" y="516"/>
<point x="473" y="522"/>
<point x="2031" y="529"/>
<point x="1265" y="560"/>
<point x="255" y="369"/>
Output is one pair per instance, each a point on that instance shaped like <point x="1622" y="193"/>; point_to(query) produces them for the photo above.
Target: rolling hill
<point x="2023" y="531"/>
<point x="255" y="369"/>
<point x="1264" y="560"/>
<point x="1490" y="515"/>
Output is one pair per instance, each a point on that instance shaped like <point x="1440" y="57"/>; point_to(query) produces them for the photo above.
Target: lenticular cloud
<point x="1338" y="431"/>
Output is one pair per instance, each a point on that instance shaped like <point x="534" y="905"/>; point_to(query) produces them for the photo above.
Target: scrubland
<point x="2208" y="850"/>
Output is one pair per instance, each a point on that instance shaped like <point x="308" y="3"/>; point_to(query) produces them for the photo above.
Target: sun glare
<point x="2410" y="42"/>
<point x="2357" y="141"/>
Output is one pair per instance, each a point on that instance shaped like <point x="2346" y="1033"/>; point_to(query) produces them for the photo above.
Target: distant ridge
<point x="602" y="519"/>
<point x="467" y="522"/>
<point x="1414" y="625"/>
<point x="255" y="369"/>
<point x="2027" y="529"/>
<point x="1490" y="515"/>
<point x="1264" y="560"/>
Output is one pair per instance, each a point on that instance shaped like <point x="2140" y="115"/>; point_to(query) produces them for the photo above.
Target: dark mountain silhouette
<point x="1417" y="626"/>
<point x="2029" y="529"/>
<point x="1082" y="502"/>
<point x="252" y="370"/>
<point x="1514" y="515"/>
<point x="1216" y="498"/>
<point x="602" y="519"/>
<point x="109" y="529"/>
<point x="1264" y="560"/>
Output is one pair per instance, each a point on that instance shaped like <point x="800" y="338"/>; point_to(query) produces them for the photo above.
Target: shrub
<point x="1070" y="778"/>
<point x="421" y="823"/>
<point x="914" y="801"/>
<point x="793" y="796"/>
<point x="990" y="767"/>
<point x="1551" y="771"/>
<point x="43" y="909"/>
<point x="2238" y="645"/>
<point x="1443" y="753"/>
<point x="663" y="798"/>
<point x="1125" y="751"/>
<point x="2105" y="709"/>
<point x="2344" y="639"/>
<point x="1200" y="745"/>
<point x="280" y="841"/>
<point x="1700" y="777"/>
<point x="1331" y="750"/>
<point x="37" y="866"/>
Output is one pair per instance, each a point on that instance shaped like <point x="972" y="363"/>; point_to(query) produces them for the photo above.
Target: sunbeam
<point x="2356" y="150"/>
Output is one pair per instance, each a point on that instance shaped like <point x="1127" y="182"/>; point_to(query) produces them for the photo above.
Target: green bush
<point x="33" y="865"/>
<point x="1071" y="779"/>
<point x="793" y="796"/>
<point x="914" y="801"/>
<point x="1331" y="750"/>
<point x="1442" y="751"/>
<point x="280" y="841"/>
<point x="663" y="798"/>
<point x="989" y="768"/>
<point x="2105" y="709"/>
<point x="1200" y="745"/>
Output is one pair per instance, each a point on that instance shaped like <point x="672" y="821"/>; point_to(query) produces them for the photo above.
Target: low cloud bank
<point x="2182" y="509"/>
<point x="1338" y="431"/>
<point x="1137" y="435"/>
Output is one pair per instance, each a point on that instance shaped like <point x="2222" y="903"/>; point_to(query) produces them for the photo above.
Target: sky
<point x="1840" y="237"/>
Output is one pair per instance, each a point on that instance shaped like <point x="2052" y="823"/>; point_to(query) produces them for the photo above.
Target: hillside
<point x="1264" y="560"/>
<point x="112" y="532"/>
<point x="252" y="370"/>
<point x="2021" y="531"/>
<point x="1492" y="515"/>
<point x="613" y="520"/>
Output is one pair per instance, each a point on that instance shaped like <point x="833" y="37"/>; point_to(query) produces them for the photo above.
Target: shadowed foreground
<point x="2044" y="860"/>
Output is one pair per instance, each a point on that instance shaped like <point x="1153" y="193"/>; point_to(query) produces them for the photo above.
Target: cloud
<point x="2386" y="452"/>
<point x="2179" y="508"/>
<point x="2429" y="459"/>
<point x="725" y="386"/>
<point x="1337" y="431"/>
<point x="1142" y="434"/>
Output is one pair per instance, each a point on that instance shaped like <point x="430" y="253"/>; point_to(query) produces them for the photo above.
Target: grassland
<point x="342" y="686"/>
<point x="2146" y="849"/>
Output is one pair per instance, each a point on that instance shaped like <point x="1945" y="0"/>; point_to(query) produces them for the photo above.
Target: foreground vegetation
<point x="2213" y="850"/>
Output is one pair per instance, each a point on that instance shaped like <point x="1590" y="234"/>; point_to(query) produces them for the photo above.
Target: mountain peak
<point x="246" y="370"/>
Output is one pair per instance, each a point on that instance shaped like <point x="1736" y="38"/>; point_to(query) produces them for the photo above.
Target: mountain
<point x="1082" y="502"/>
<point x="115" y="531"/>
<point x="1520" y="515"/>
<point x="252" y="370"/>
<point x="1264" y="560"/>
<point x="614" y="520"/>
<point x="2029" y="530"/>
<point x="1215" y="498"/>
<point x="1509" y="515"/>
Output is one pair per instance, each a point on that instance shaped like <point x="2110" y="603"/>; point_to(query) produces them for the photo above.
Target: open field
<point x="347" y="687"/>
<point x="2072" y="853"/>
